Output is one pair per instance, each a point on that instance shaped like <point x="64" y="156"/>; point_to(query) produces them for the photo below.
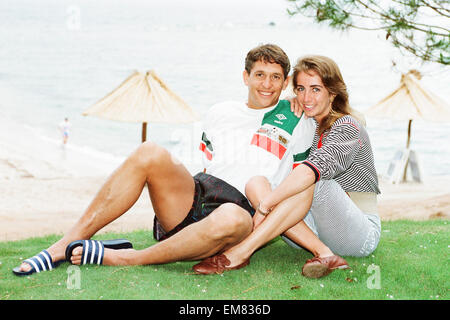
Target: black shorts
<point x="210" y="193"/>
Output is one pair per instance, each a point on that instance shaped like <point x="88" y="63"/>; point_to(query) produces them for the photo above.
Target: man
<point x="64" y="127"/>
<point x="196" y="217"/>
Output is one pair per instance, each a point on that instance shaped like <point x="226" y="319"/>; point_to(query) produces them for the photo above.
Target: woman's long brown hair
<point x="333" y="81"/>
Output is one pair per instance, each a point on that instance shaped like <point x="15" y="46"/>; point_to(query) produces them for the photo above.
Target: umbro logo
<point x="281" y="116"/>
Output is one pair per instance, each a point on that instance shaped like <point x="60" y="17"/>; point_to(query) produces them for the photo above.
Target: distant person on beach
<point x="196" y="217"/>
<point x="337" y="183"/>
<point x="64" y="127"/>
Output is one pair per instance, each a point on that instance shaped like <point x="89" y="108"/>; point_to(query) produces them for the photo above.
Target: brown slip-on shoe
<point x="320" y="267"/>
<point x="216" y="264"/>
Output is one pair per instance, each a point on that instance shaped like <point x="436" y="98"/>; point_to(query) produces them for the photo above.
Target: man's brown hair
<point x="269" y="53"/>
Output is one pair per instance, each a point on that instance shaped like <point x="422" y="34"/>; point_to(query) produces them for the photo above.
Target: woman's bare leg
<point x="286" y="217"/>
<point x="255" y="190"/>
<point x="302" y="235"/>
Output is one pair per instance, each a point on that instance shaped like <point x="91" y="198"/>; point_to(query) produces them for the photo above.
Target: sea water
<point x="57" y="58"/>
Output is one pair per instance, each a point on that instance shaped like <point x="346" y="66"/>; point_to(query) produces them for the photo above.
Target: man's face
<point x="265" y="83"/>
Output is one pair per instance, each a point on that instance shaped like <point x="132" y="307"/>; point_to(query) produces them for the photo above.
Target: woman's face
<point x="312" y="95"/>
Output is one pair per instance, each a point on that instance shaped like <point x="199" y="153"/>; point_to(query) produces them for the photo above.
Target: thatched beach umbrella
<point x="144" y="98"/>
<point x="411" y="101"/>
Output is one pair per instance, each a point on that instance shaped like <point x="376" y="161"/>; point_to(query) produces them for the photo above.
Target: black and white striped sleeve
<point x="339" y="149"/>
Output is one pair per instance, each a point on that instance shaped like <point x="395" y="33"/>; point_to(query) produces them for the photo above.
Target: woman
<point x="335" y="188"/>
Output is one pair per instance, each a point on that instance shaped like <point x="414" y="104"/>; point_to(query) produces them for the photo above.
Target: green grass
<point x="412" y="258"/>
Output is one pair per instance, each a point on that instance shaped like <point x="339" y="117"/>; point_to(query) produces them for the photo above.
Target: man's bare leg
<point x="222" y="229"/>
<point x="170" y="184"/>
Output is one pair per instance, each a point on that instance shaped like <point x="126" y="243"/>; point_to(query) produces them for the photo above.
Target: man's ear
<point x="286" y="82"/>
<point x="245" y="75"/>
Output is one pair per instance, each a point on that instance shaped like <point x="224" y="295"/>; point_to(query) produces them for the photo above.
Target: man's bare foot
<point x="47" y="259"/>
<point x="55" y="253"/>
<point x="111" y="257"/>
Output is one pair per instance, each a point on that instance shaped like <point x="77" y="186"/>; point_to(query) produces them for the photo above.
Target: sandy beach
<point x="36" y="207"/>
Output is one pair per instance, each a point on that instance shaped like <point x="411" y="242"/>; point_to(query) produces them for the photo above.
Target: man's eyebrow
<point x="268" y="72"/>
<point x="277" y="74"/>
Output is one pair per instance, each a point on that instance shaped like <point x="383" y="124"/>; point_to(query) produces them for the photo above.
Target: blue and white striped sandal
<point x="40" y="262"/>
<point x="94" y="250"/>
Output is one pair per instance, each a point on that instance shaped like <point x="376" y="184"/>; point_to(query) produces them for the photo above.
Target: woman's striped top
<point x="344" y="153"/>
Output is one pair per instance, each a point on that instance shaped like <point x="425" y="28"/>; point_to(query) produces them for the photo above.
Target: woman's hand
<point x="260" y="215"/>
<point x="295" y="107"/>
<point x="258" y="218"/>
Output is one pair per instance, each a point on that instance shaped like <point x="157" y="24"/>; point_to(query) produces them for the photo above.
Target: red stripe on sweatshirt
<point x="269" y="145"/>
